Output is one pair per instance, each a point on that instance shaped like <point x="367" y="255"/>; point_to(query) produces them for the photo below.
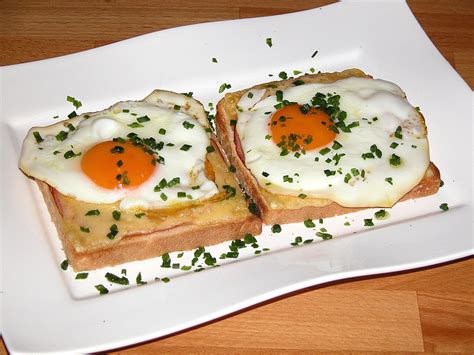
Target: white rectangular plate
<point x="45" y="309"/>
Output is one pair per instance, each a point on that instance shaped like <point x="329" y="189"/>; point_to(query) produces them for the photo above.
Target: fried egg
<point x="355" y="141"/>
<point x="146" y="154"/>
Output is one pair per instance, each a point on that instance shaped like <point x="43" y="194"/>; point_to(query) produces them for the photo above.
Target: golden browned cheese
<point x="217" y="209"/>
<point x="290" y="202"/>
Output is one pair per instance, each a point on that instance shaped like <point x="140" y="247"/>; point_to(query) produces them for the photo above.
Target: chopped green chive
<point x="249" y="239"/>
<point x="389" y="180"/>
<point x="276" y="228"/>
<point x="93" y="213"/>
<point x="324" y="151"/>
<point x="135" y="125"/>
<point x="283" y="75"/>
<point x="231" y="191"/>
<point x="210" y="149"/>
<point x="38" y="137"/>
<point x="298" y="241"/>
<point x="188" y="125"/>
<point x="380" y="214"/>
<point x="232" y="169"/>
<point x="233" y="122"/>
<point x="303" y="196"/>
<point x="75" y="102"/>
<point x="140" y="215"/>
<point x="287" y="178"/>
<point x="119" y="139"/>
<point x="185" y="147"/>
<point x="82" y="276"/>
<point x="85" y="230"/>
<point x="395" y="160"/>
<point x="173" y="182"/>
<point x="398" y="133"/>
<point x="368" y="222"/>
<point x="284" y="151"/>
<point x="143" y="119"/>
<point x="224" y="87"/>
<point x="355" y="172"/>
<point x="253" y="208"/>
<point x="269" y="42"/>
<point x="102" y="289"/>
<point x="117" y="150"/>
<point x="70" y="154"/>
<point x="113" y="231"/>
<point x="298" y="82"/>
<point x="62" y="135"/>
<point x="279" y="95"/>
<point x="336" y="145"/>
<point x="116" y="279"/>
<point x="374" y="149"/>
<point x="166" y="261"/>
<point x="139" y="280"/>
<point x="324" y="236"/>
<point x="368" y="156"/>
<point x="308" y="223"/>
<point x="393" y="145"/>
<point x="64" y="264"/>
<point x="214" y="60"/>
<point x="116" y="215"/>
<point x="444" y="206"/>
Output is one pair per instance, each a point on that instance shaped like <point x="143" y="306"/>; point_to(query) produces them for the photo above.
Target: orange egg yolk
<point x="300" y="130"/>
<point x="115" y="165"/>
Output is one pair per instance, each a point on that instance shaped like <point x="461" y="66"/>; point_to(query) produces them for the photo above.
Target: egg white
<point x="362" y="99"/>
<point x="45" y="161"/>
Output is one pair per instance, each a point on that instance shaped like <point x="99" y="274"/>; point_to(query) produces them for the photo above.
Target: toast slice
<point x="83" y="226"/>
<point x="282" y="208"/>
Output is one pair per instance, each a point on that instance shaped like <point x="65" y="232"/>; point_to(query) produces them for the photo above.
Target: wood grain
<point x="424" y="310"/>
<point x="385" y="326"/>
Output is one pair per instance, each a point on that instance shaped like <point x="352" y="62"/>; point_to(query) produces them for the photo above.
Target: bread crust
<point x="226" y="111"/>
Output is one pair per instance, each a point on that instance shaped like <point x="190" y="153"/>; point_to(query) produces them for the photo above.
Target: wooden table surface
<point x="431" y="309"/>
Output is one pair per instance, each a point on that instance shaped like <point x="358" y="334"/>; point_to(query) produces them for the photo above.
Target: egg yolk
<point x="116" y="165"/>
<point x="298" y="130"/>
